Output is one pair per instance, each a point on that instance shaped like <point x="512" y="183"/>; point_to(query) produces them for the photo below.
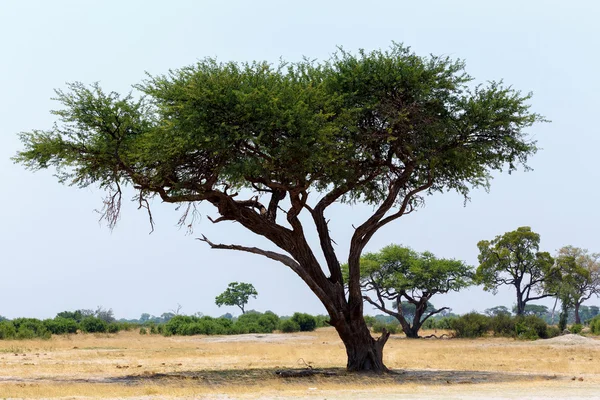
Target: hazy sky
<point x="54" y="255"/>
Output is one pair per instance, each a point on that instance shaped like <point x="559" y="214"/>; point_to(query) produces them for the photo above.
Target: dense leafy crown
<point x="397" y="269"/>
<point x="359" y="124"/>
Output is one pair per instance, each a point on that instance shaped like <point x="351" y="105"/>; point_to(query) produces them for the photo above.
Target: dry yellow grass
<point x="130" y="365"/>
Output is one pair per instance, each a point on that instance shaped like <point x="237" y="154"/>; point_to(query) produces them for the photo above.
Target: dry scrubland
<point x="146" y="367"/>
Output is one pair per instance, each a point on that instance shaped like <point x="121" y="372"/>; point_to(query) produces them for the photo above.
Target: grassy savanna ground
<point x="132" y="365"/>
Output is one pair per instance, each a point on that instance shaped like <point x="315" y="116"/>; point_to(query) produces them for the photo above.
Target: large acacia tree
<point x="267" y="144"/>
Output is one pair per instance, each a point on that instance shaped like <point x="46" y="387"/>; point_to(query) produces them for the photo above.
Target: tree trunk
<point x="577" y="319"/>
<point x="365" y="354"/>
<point x="520" y="303"/>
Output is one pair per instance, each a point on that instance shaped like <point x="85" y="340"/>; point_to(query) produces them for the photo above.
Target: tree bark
<point x="365" y="354"/>
<point x="577" y="318"/>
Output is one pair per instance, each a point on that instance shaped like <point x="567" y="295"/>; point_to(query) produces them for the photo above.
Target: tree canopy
<point x="236" y="294"/>
<point x="577" y="277"/>
<point x="266" y="143"/>
<point x="514" y="259"/>
<point x="403" y="276"/>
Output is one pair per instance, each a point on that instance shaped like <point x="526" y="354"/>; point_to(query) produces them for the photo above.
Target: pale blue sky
<point x="54" y="254"/>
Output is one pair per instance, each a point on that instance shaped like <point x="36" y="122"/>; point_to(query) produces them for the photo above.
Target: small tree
<point x="514" y="259"/>
<point x="236" y="294"/>
<point x="533" y="309"/>
<point x="498" y="310"/>
<point x="580" y="271"/>
<point x="410" y="279"/>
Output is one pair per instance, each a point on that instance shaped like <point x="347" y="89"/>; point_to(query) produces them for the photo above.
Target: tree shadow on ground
<point x="258" y="377"/>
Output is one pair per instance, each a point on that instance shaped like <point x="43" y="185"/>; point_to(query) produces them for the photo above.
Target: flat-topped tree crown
<point x="381" y="127"/>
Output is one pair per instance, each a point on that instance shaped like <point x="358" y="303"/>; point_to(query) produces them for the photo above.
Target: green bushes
<point x="93" y="325"/>
<point x="471" y="325"/>
<point x="595" y="325"/>
<point x="61" y="326"/>
<point x="7" y="330"/>
<point x="531" y="327"/>
<point x="307" y="322"/>
<point x="391" y="327"/>
<point x="251" y="322"/>
<point x="528" y="327"/>
<point x="576" y="328"/>
<point x="289" y="326"/>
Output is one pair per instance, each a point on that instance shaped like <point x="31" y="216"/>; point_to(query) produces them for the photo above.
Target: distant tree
<point x="578" y="276"/>
<point x="514" y="259"/>
<point x="227" y="316"/>
<point x="77" y="315"/>
<point x="104" y="314"/>
<point x="166" y="317"/>
<point x="498" y="310"/>
<point x="145" y="317"/>
<point x="409" y="309"/>
<point x="236" y="294"/>
<point x="403" y="276"/>
<point x="2" y="318"/>
<point x="533" y="309"/>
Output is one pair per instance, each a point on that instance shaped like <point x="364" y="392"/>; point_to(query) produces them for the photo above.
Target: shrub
<point x="175" y="324"/>
<point x="7" y="330"/>
<point x="268" y="321"/>
<point x="322" y="320"/>
<point x="307" y="322"/>
<point x="93" y="325"/>
<point x="143" y="331"/>
<point x="369" y="320"/>
<point x="595" y="325"/>
<point x="114" y="327"/>
<point x="29" y="328"/>
<point x="471" y="325"/>
<point x="61" y="326"/>
<point x="552" y="331"/>
<point x="391" y="327"/>
<point x="503" y="325"/>
<point x="531" y="327"/>
<point x="289" y="326"/>
<point x="576" y="328"/>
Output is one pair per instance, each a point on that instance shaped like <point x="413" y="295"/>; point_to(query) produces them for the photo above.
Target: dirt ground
<point x="134" y="366"/>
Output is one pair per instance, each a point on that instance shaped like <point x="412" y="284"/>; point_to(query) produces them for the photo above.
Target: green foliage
<point x="552" y="331"/>
<point x="288" y="326"/>
<point x="531" y="327"/>
<point x="594" y="325"/>
<point x="533" y="309"/>
<point x="7" y="330"/>
<point x="498" y="310"/>
<point x="410" y="278"/>
<point x="236" y="294"/>
<point x="393" y="327"/>
<point x="251" y="322"/>
<point x="307" y="322"/>
<point x="61" y="325"/>
<point x="30" y="328"/>
<point x="322" y="320"/>
<point x="502" y="324"/>
<point x="576" y="328"/>
<point x="471" y="325"/>
<point x="370" y="320"/>
<point x="93" y="325"/>
<point x="143" y="331"/>
<point x="514" y="259"/>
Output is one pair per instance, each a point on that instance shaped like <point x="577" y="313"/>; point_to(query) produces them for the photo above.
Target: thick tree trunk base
<point x="365" y="354"/>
